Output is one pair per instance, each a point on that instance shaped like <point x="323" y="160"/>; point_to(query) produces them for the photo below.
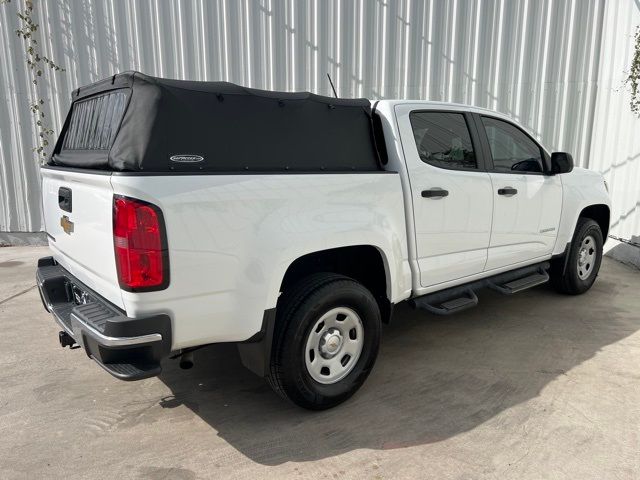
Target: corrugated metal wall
<point x="615" y="145"/>
<point x="536" y="60"/>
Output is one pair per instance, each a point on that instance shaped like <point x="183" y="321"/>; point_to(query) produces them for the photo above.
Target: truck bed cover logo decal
<point x="186" y="158"/>
<point x="66" y="224"/>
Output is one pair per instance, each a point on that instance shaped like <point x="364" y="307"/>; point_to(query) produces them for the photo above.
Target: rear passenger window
<point x="511" y="149"/>
<point x="443" y="139"/>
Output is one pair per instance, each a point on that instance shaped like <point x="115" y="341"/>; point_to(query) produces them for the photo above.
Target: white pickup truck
<point x="181" y="214"/>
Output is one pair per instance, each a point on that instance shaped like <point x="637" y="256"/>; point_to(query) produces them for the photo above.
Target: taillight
<point x="140" y="243"/>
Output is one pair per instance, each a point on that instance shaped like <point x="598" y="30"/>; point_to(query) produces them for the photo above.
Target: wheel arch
<point x="601" y="214"/>
<point x="366" y="264"/>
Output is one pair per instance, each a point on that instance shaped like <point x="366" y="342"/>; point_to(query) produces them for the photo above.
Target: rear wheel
<point x="326" y="341"/>
<point x="583" y="262"/>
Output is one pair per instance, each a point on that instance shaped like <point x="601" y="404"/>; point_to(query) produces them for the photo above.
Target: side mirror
<point x="561" y="162"/>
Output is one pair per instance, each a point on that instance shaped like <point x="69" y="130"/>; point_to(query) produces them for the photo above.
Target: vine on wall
<point x="634" y="76"/>
<point x="38" y="65"/>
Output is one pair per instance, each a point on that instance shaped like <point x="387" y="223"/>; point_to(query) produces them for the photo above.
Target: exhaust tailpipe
<point x="186" y="360"/>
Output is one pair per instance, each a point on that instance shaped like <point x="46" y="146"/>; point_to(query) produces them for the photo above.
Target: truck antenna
<point x="332" y="87"/>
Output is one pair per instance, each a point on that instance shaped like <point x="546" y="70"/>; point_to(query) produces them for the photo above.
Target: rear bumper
<point x="127" y="348"/>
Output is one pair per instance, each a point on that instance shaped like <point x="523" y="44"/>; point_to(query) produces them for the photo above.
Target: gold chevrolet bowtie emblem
<point x="66" y="224"/>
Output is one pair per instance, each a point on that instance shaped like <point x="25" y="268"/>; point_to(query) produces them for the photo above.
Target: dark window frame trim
<point x="473" y="134"/>
<point x="484" y="139"/>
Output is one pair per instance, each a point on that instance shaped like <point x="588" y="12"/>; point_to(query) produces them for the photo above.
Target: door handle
<point x="435" y="193"/>
<point x="508" y="191"/>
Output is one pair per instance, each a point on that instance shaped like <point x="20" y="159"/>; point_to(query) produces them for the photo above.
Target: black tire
<point x="569" y="281"/>
<point x="297" y="313"/>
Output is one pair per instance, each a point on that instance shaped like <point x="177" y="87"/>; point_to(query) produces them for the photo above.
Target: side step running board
<point x="457" y="299"/>
<point x="454" y="304"/>
<point x="515" y="286"/>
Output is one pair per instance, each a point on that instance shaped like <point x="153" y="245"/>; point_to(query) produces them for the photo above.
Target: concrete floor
<point x="537" y="385"/>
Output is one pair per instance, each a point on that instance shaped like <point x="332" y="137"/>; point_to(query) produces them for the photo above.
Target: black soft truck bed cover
<point x="132" y="122"/>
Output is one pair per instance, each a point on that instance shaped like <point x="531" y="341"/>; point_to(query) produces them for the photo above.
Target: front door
<point x="526" y="202"/>
<point x="451" y="194"/>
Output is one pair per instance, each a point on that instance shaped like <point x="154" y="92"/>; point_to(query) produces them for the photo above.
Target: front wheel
<point x="326" y="341"/>
<point x="583" y="263"/>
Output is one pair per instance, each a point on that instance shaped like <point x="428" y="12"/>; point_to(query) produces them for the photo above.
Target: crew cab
<point x="181" y="214"/>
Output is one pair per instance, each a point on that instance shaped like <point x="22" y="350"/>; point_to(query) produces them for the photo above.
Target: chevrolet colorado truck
<point x="181" y="214"/>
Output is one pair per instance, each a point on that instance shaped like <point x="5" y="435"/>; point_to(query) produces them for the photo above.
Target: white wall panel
<point x="551" y="64"/>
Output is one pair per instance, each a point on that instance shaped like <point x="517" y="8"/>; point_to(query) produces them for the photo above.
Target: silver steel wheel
<point x="334" y="345"/>
<point x="586" y="257"/>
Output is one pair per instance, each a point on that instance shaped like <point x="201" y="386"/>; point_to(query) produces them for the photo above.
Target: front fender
<point x="580" y="189"/>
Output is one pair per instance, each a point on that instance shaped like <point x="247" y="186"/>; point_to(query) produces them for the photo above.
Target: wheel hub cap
<point x="334" y="345"/>
<point x="330" y="343"/>
<point x="586" y="257"/>
<point x="583" y="256"/>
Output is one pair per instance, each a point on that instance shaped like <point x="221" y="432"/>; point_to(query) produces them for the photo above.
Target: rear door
<point x="526" y="202"/>
<point x="451" y="192"/>
<point x="77" y="210"/>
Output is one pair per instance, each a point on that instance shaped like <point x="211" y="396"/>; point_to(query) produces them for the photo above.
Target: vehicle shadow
<point x="436" y="377"/>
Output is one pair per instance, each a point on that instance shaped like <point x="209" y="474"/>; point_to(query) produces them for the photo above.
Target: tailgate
<point x="78" y="214"/>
